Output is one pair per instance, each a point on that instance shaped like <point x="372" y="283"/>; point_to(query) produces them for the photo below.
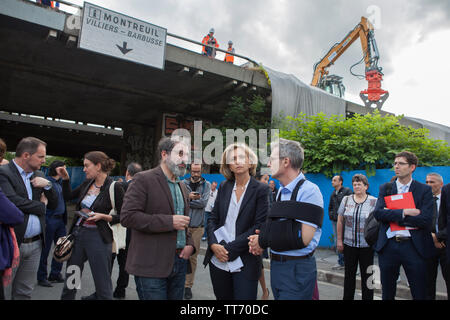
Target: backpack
<point x="372" y="225"/>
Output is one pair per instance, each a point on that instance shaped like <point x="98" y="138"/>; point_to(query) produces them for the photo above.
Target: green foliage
<point x="9" y="155"/>
<point x="70" y="162"/>
<point x="252" y="113"/>
<point x="334" y="144"/>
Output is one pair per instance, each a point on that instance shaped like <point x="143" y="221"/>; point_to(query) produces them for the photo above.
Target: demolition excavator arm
<point x="365" y="32"/>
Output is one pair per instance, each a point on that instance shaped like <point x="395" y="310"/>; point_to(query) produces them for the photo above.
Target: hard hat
<point x="211" y="30"/>
<point x="230" y="42"/>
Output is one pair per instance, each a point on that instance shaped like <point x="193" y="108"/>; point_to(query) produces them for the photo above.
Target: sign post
<point x="118" y="35"/>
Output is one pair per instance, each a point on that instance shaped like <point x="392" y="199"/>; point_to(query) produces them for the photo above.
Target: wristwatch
<point x="49" y="185"/>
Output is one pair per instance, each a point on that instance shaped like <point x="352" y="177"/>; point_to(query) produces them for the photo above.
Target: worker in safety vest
<point x="210" y="40"/>
<point x="53" y="4"/>
<point x="229" y="58"/>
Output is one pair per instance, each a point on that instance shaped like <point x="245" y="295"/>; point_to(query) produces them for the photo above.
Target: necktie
<point x="435" y="214"/>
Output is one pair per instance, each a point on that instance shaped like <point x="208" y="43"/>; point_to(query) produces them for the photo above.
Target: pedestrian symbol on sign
<point x="95" y="13"/>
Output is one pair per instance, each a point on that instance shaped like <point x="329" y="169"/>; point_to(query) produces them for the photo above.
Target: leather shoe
<point x="57" y="279"/>
<point x="45" y="283"/>
<point x="90" y="297"/>
<point x="187" y="293"/>
<point x="119" y="294"/>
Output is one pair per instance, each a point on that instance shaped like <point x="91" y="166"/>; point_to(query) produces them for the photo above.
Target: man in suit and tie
<point x="435" y="181"/>
<point x="26" y="187"/>
<point x="409" y="248"/>
<point x="156" y="209"/>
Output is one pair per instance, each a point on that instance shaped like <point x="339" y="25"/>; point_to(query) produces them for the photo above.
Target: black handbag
<point x="64" y="245"/>
<point x="371" y="229"/>
<point x="372" y="225"/>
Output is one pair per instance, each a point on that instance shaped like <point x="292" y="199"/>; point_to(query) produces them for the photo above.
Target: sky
<point x="290" y="36"/>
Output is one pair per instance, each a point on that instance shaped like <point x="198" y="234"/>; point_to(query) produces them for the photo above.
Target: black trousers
<point x="124" y="277"/>
<point x="232" y="286"/>
<point x="122" y="280"/>
<point x="433" y="265"/>
<point x="2" y="291"/>
<point x="402" y="254"/>
<point x="352" y="257"/>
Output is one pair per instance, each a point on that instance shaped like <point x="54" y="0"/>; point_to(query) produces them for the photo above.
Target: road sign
<point x="118" y="35"/>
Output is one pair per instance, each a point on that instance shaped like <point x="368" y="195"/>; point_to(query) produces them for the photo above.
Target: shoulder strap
<point x="294" y="192"/>
<point x="111" y="196"/>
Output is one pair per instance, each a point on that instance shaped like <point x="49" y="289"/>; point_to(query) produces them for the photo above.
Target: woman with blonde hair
<point x="241" y="207"/>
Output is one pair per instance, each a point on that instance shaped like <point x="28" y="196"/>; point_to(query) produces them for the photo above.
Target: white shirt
<point x="211" y="200"/>
<point x="230" y="222"/>
<point x="401" y="188"/>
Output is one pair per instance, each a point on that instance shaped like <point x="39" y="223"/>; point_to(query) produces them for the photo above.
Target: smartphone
<point x="83" y="214"/>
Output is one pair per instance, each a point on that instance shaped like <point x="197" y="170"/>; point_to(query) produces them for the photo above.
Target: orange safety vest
<point x="205" y="41"/>
<point x="228" y="57"/>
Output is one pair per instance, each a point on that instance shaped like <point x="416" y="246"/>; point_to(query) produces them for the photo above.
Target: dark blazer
<point x="12" y="185"/>
<point x="335" y="202"/>
<point x="442" y="214"/>
<point x="252" y="214"/>
<point x="102" y="203"/>
<point x="147" y="210"/>
<point x="423" y="200"/>
<point x="444" y="217"/>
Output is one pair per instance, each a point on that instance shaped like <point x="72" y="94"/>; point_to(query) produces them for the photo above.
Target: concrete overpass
<point x="43" y="73"/>
<point x="70" y="139"/>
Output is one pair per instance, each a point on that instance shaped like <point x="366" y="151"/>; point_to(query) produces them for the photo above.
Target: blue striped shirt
<point x="309" y="193"/>
<point x="34" y="225"/>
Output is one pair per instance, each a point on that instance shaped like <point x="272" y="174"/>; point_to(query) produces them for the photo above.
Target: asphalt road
<point x="202" y="289"/>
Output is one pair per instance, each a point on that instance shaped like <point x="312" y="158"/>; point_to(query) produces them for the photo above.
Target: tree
<point x="253" y="113"/>
<point x="334" y="144"/>
<point x="250" y="114"/>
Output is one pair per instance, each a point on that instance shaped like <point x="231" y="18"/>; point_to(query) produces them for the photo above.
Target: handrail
<point x="207" y="45"/>
<point x="69" y="4"/>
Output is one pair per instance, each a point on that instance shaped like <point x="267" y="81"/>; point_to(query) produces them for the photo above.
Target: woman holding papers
<point x="240" y="209"/>
<point x="352" y="214"/>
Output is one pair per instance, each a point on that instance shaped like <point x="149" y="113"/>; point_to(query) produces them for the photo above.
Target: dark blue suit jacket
<point x="444" y="212"/>
<point x="423" y="199"/>
<point x="252" y="214"/>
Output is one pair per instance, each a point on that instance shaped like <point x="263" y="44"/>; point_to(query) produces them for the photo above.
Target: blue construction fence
<point x="327" y="239"/>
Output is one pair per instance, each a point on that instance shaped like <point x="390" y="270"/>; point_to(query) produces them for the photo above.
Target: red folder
<point x="400" y="201"/>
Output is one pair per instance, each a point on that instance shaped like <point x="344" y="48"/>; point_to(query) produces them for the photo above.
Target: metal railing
<point x="210" y="46"/>
<point x="67" y="3"/>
